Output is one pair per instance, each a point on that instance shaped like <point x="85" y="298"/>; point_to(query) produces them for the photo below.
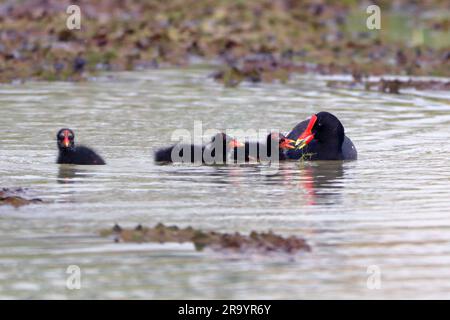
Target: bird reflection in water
<point x="71" y="174"/>
<point x="321" y="181"/>
<point x="318" y="182"/>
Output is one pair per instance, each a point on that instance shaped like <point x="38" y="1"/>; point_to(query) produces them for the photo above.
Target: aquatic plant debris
<point x="390" y="86"/>
<point x="235" y="242"/>
<point x="13" y="197"/>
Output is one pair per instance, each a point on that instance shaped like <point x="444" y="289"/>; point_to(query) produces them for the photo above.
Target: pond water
<point x="385" y="216"/>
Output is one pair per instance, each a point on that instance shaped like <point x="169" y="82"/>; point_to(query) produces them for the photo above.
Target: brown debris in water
<point x="255" y="242"/>
<point x="12" y="197"/>
<point x="390" y="86"/>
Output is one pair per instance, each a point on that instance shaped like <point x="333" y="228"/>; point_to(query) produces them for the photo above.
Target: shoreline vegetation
<point x="257" y="41"/>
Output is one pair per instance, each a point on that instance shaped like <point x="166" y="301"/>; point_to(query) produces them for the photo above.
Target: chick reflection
<point x="70" y="174"/>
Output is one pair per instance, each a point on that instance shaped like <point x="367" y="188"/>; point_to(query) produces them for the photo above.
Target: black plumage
<point x="257" y="151"/>
<point x="327" y="139"/>
<point x="214" y="152"/>
<point x="71" y="154"/>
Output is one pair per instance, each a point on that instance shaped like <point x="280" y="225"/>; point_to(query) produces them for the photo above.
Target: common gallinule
<point x="321" y="138"/>
<point x="256" y="151"/>
<point x="214" y="152"/>
<point x="74" y="154"/>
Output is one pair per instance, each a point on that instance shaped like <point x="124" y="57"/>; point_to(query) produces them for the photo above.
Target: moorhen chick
<point x="256" y="151"/>
<point x="71" y="154"/>
<point x="214" y="152"/>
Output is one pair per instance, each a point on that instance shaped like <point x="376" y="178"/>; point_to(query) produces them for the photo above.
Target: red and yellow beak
<point x="307" y="136"/>
<point x="286" y="143"/>
<point x="235" y="144"/>
<point x="66" y="141"/>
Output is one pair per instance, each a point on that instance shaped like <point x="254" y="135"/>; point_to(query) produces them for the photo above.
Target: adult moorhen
<point x="321" y="138"/>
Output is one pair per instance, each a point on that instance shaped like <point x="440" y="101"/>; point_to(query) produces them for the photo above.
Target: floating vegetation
<point x="306" y="157"/>
<point x="235" y="242"/>
<point x="391" y="86"/>
<point x="13" y="197"/>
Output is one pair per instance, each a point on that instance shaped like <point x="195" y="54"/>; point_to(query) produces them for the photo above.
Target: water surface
<point x="389" y="209"/>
